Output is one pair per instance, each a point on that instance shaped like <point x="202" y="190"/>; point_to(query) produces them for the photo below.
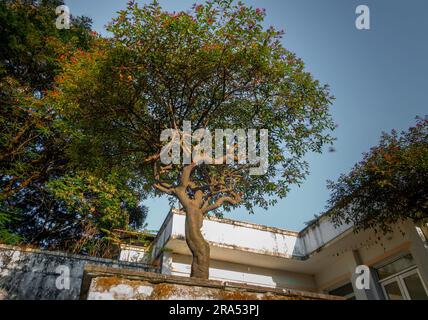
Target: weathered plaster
<point x="112" y="284"/>
<point x="31" y="274"/>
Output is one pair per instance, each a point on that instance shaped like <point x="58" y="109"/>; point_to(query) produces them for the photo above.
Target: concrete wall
<point x="32" y="274"/>
<point x="226" y="271"/>
<point x="319" y="258"/>
<point x="164" y="234"/>
<point x="270" y="240"/>
<point x="134" y="254"/>
<point x="234" y="236"/>
<point x="319" y="234"/>
<point x="365" y="248"/>
<point x="241" y="235"/>
<point x="102" y="283"/>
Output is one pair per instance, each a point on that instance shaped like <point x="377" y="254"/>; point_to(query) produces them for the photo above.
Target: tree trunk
<point x="198" y="246"/>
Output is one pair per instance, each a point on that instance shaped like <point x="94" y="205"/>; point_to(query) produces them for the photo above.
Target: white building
<point x="320" y="258"/>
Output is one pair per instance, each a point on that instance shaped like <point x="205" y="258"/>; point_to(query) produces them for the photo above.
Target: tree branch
<point x="235" y="199"/>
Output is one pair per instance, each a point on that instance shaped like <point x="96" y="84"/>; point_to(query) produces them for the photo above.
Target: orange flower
<point x="54" y="93"/>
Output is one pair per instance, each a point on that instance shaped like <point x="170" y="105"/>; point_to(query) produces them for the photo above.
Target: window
<point x="400" y="280"/>
<point x="395" y="266"/>
<point x="345" y="291"/>
<point x="393" y="291"/>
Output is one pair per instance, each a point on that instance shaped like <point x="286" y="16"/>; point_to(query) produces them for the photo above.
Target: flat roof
<point x="245" y="224"/>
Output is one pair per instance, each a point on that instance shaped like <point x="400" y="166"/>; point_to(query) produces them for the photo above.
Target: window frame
<point x="399" y="278"/>
<point x="391" y="260"/>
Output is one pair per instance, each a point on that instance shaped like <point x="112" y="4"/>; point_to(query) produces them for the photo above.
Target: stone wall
<point x="106" y="283"/>
<point x="31" y="274"/>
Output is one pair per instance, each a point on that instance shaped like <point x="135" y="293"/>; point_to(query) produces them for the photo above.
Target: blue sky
<point x="377" y="76"/>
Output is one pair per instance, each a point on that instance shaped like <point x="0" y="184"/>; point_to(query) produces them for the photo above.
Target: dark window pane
<point x="393" y="291"/>
<point x="396" y="266"/>
<point x="415" y="288"/>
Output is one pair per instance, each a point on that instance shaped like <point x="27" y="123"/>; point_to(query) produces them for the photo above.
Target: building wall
<point x="28" y="274"/>
<point x="241" y="235"/>
<point x="101" y="283"/>
<point x="319" y="258"/>
<point x="372" y="250"/>
<point x="252" y="275"/>
<point x="134" y="254"/>
<point x="319" y="234"/>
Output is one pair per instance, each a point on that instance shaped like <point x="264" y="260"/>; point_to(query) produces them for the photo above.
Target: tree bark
<point x="196" y="205"/>
<point x="198" y="246"/>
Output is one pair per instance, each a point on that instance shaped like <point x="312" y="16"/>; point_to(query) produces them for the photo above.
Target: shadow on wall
<point x="28" y="274"/>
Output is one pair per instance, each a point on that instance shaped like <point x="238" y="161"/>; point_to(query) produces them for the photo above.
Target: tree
<point x="93" y="209"/>
<point x="35" y="171"/>
<point x="29" y="61"/>
<point x="31" y="42"/>
<point x="389" y="185"/>
<point x="214" y="67"/>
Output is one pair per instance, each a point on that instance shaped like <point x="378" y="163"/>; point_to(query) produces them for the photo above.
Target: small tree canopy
<point x="389" y="185"/>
